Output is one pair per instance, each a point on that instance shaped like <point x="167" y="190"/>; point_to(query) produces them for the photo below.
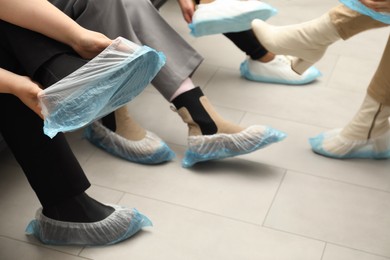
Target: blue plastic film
<point x="359" y="7"/>
<point x="110" y="80"/>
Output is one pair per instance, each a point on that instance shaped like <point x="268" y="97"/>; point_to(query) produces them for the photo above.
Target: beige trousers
<point x="379" y="87"/>
<point x="349" y="23"/>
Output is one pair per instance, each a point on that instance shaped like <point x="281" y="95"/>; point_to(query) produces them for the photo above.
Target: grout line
<point x="184" y="206"/>
<point x="48" y="247"/>
<point x="323" y="251"/>
<point x="274" y="198"/>
<point x="358" y="250"/>
<point x="341" y="181"/>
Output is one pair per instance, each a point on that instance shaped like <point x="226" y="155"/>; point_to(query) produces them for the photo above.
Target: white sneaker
<point x="276" y="71"/>
<point x="222" y="16"/>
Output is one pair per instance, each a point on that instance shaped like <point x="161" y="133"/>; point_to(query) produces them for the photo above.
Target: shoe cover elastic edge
<point x="364" y="152"/>
<point x="103" y="228"/>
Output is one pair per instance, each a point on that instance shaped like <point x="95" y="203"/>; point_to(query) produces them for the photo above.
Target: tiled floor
<point x="282" y="203"/>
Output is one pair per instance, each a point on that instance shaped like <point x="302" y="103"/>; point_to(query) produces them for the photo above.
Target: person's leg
<point x="140" y="22"/>
<point x="50" y="167"/>
<point x="68" y="215"/>
<point x="308" y="41"/>
<point x="123" y="138"/>
<point x="247" y="42"/>
<point x="212" y="137"/>
<point x="349" y="23"/>
<point x="136" y="19"/>
<point x="264" y="66"/>
<point x="368" y="134"/>
<point x="117" y="133"/>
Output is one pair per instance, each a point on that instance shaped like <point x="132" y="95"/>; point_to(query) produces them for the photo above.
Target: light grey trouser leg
<point x="140" y="22"/>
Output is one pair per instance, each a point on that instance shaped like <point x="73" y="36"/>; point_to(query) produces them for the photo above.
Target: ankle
<point x="80" y="208"/>
<point x="127" y="127"/>
<point x="200" y="116"/>
<point x="192" y="112"/>
<point x="269" y="56"/>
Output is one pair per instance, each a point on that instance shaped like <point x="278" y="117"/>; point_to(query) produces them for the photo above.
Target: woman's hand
<point x="377" y="5"/>
<point x="27" y="91"/>
<point x="187" y="8"/>
<point x="22" y="87"/>
<point x="88" y="43"/>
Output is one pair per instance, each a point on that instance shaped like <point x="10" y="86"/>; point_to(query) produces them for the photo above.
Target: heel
<point x="300" y="66"/>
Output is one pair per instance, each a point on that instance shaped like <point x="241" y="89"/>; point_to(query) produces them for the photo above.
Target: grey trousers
<point x="140" y="22"/>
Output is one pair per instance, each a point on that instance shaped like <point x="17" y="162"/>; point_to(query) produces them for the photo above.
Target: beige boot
<point x="371" y="121"/>
<point x="209" y="123"/>
<point x="211" y="137"/>
<point x="366" y="136"/>
<point x="127" y="127"/>
<point x="127" y="139"/>
<point x="307" y="41"/>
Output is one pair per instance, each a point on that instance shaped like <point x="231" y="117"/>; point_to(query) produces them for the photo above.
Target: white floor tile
<point x="15" y="250"/>
<point x="183" y="233"/>
<point x="333" y="252"/>
<point x="216" y="187"/>
<point x="331" y="211"/>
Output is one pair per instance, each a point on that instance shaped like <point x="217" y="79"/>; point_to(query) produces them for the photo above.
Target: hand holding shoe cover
<point x="222" y="16"/>
<point x="107" y="82"/>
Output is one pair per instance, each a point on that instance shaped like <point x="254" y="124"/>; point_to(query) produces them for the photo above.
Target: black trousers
<point x="49" y="164"/>
<point x="248" y="43"/>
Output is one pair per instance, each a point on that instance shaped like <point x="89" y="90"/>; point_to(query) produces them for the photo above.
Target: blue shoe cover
<point x="277" y="72"/>
<point x="361" y="8"/>
<point x="110" y="80"/>
<point x="149" y="150"/>
<point x="120" y="225"/>
<point x="219" y="146"/>
<point x="223" y="16"/>
<point x="378" y="148"/>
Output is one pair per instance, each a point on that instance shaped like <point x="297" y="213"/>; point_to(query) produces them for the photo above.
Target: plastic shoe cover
<point x="110" y="80"/>
<point x="377" y="148"/>
<point x="277" y="71"/>
<point x="149" y="150"/>
<point x="357" y="6"/>
<point x="222" y="16"/>
<point x="120" y="225"/>
<point x="219" y="146"/>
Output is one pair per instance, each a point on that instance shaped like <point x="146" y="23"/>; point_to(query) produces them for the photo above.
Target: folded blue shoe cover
<point x="377" y="148"/>
<point x="150" y="150"/>
<point x="110" y="80"/>
<point x="309" y="76"/>
<point x="357" y="6"/>
<point x="219" y="146"/>
<point x="228" y="18"/>
<point x="120" y="225"/>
